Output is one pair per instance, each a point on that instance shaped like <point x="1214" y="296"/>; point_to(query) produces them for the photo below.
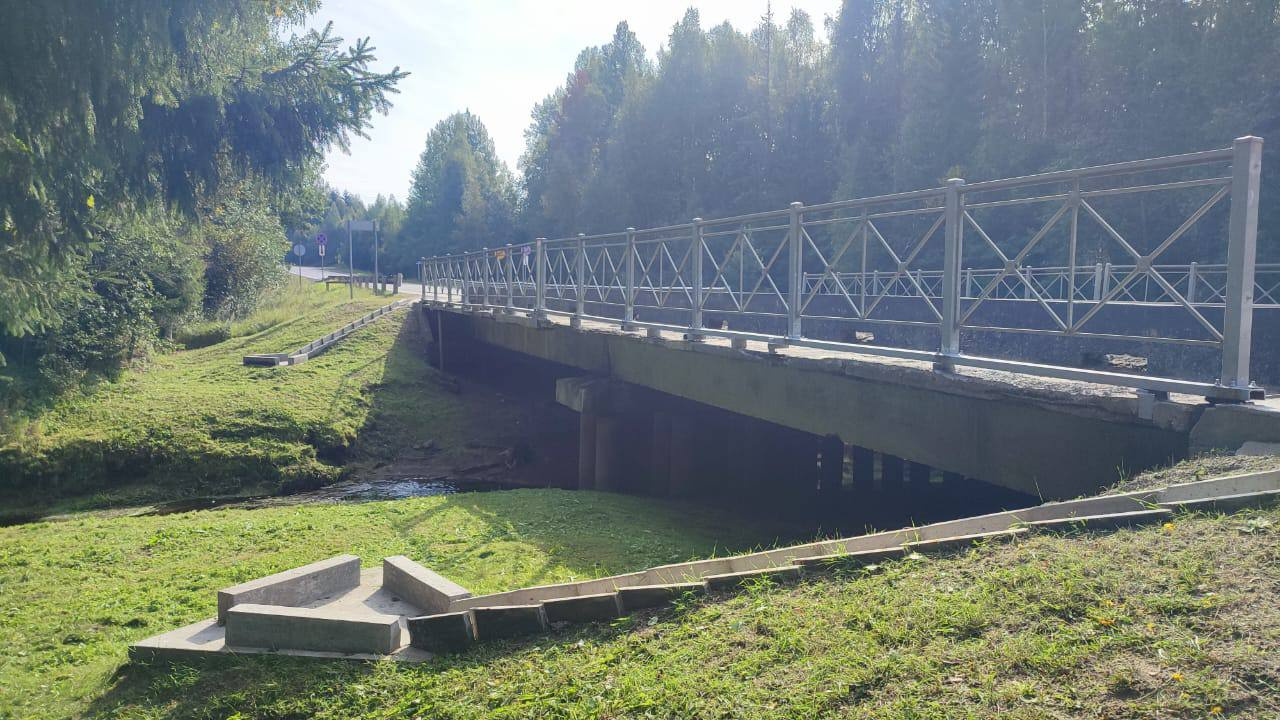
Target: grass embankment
<point x="73" y="594"/>
<point x="199" y="422"/>
<point x="1177" y="621"/>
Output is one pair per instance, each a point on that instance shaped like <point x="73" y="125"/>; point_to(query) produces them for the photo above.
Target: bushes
<point x="203" y="334"/>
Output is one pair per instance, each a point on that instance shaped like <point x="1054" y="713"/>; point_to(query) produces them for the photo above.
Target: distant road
<point x="314" y="273"/>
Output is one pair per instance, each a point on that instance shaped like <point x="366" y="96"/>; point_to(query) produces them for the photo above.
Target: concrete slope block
<point x="419" y="586"/>
<point x="647" y="596"/>
<point x="443" y="633"/>
<point x="729" y="581"/>
<point x="837" y="561"/>
<point x="505" y="621"/>
<point x="298" y="586"/>
<point x="1227" y="503"/>
<point x="289" y="628"/>
<point x="958" y="542"/>
<point x="584" y="608"/>
<point x="1100" y="522"/>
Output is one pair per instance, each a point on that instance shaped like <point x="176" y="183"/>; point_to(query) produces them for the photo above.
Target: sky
<point x="496" y="58"/>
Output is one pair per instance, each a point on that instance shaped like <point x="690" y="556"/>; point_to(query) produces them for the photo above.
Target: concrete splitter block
<point x="443" y="633"/>
<point x="583" y="608"/>
<point x="295" y="587"/>
<point x="420" y="586"/>
<point x="291" y="628"/>
<point x="646" y="596"/>
<point x="506" y="621"/>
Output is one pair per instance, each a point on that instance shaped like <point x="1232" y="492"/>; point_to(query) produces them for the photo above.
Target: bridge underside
<point x="1053" y="439"/>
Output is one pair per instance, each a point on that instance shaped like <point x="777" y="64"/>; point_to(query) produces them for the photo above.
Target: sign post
<point x="299" y="250"/>
<point x="321" y="241"/>
<point x="358" y="226"/>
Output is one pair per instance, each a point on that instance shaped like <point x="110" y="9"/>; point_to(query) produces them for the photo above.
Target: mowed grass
<point x="74" y="593"/>
<point x="200" y="422"/>
<point x="1177" y="621"/>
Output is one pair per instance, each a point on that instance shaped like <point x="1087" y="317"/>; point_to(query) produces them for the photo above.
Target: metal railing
<point x="902" y="260"/>
<point x="1200" y="284"/>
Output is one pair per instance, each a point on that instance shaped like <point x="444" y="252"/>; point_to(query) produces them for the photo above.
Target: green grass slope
<point x="200" y="422"/>
<point x="1178" y="621"/>
<point x="74" y="594"/>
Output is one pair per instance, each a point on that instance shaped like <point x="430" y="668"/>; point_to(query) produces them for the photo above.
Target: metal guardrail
<point x="917" y="245"/>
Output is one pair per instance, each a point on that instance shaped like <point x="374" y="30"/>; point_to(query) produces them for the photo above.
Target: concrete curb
<point x="315" y="347"/>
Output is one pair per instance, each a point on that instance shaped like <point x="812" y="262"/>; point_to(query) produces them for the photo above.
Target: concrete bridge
<point x="854" y="341"/>
<point x="660" y="413"/>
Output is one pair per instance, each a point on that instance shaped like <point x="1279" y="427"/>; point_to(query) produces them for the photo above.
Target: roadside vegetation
<point x="1172" y="621"/>
<point x="199" y="422"/>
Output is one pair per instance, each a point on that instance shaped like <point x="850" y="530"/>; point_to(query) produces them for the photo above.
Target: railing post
<point x="952" y="252"/>
<point x="1097" y="282"/>
<point x="695" y="272"/>
<point x="510" y="266"/>
<point x="579" y="282"/>
<point x="795" y="269"/>
<point x="1027" y="273"/>
<point x="485" y="276"/>
<point x="1193" y="276"/>
<point x="629" y="302"/>
<point x="540" y="278"/>
<point x="1242" y="248"/>
<point x="466" y="280"/>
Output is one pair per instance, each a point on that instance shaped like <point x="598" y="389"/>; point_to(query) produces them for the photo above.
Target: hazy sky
<point x="496" y="58"/>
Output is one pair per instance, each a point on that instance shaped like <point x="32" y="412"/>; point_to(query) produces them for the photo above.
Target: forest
<point x="888" y="95"/>
<point x="154" y="174"/>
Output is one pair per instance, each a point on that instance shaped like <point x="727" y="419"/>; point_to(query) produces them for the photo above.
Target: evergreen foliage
<point x="117" y="113"/>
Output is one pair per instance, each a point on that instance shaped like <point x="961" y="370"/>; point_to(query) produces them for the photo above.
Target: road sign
<point x="299" y="249"/>
<point x="321" y="240"/>
<point x="321" y="248"/>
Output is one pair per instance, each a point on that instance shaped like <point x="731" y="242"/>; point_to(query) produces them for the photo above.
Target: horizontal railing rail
<point x="1183" y="231"/>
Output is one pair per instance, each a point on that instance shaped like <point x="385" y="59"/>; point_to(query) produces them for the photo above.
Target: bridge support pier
<point x="588" y="426"/>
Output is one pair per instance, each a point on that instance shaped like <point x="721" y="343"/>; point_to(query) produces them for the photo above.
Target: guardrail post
<point x="510" y="265"/>
<point x="795" y="271"/>
<point x="1027" y="273"/>
<point x="1097" y="282"/>
<point x="540" y="278"/>
<point x="952" y="252"/>
<point x="580" y="282"/>
<point x="695" y="315"/>
<point x="629" y="302"/>
<point x="1193" y="276"/>
<point x="1242" y="249"/>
